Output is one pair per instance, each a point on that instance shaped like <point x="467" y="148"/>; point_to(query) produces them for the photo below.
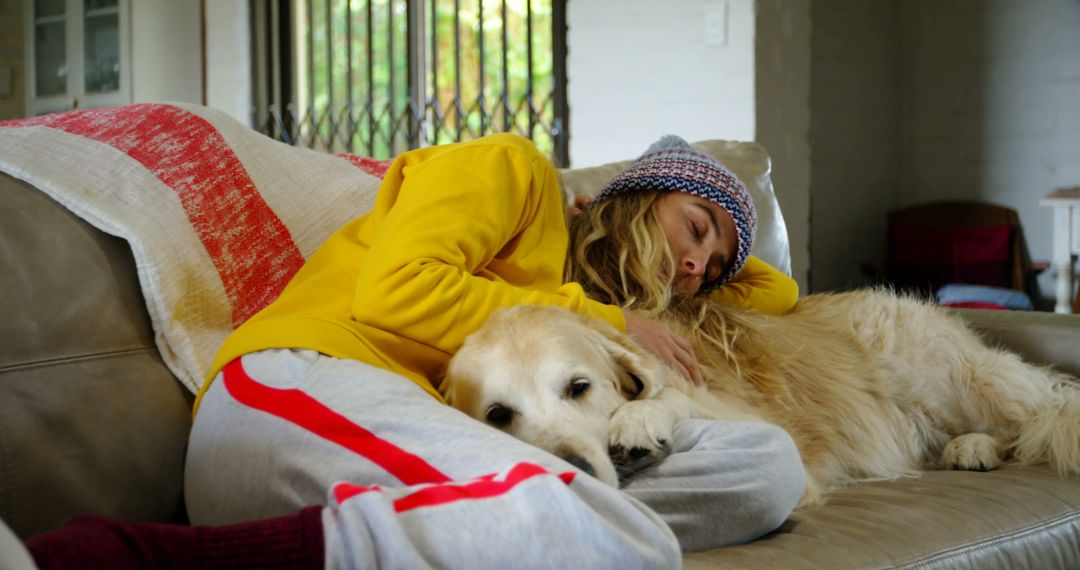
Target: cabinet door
<point x="104" y="77"/>
<point x="78" y="51"/>
<point x="48" y="55"/>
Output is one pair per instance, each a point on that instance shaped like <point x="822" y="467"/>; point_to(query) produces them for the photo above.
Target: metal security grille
<point x="378" y="77"/>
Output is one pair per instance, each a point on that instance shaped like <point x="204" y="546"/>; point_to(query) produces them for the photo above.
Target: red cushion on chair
<point x="927" y="258"/>
<point x="976" y="305"/>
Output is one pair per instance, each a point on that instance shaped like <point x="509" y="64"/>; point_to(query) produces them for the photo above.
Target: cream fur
<point x="870" y="385"/>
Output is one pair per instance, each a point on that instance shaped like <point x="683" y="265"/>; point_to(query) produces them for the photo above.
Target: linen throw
<point x="218" y="216"/>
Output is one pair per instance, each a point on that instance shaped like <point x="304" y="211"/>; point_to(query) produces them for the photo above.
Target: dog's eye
<point x="578" y="387"/>
<point x="499" y="415"/>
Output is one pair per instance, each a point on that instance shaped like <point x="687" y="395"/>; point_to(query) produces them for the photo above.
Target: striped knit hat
<point x="672" y="164"/>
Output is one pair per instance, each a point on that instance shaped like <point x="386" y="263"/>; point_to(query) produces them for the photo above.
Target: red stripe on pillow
<point x="372" y="166"/>
<point x="252" y="250"/>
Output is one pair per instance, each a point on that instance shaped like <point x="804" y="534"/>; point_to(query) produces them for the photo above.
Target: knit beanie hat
<point x="672" y="164"/>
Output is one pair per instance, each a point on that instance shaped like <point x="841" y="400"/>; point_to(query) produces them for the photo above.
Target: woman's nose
<point x="693" y="265"/>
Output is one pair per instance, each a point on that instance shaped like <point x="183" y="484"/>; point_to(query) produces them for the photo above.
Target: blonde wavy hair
<point x="617" y="247"/>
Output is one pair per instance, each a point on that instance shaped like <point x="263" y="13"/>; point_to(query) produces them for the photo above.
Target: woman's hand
<point x="671" y="348"/>
<point x="580" y="203"/>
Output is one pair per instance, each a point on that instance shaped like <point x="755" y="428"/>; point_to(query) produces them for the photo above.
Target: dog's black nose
<point x="581" y="464"/>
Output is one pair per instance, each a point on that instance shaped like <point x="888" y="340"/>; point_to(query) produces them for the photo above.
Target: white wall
<point x="639" y="69"/>
<point x="992" y="91"/>
<point x="782" y="89"/>
<point x="228" y="58"/>
<point x="165" y="51"/>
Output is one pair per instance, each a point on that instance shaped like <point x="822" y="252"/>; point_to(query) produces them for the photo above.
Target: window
<point x="377" y="77"/>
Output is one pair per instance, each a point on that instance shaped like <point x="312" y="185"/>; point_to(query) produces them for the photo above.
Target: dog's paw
<point x="971" y="452"/>
<point x="640" y="435"/>
<point x="813" y="494"/>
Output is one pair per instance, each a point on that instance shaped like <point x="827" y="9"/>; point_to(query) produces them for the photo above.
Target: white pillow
<point x="751" y="165"/>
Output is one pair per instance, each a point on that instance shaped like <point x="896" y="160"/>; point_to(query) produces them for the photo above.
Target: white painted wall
<point x="165" y="51"/>
<point x="228" y="58"/>
<point x="639" y="69"/>
<point x="782" y="93"/>
<point x="992" y="94"/>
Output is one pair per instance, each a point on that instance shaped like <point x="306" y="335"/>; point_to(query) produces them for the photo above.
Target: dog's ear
<point x="642" y="375"/>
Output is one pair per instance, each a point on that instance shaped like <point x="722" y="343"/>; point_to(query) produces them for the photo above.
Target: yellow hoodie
<point x="457" y="232"/>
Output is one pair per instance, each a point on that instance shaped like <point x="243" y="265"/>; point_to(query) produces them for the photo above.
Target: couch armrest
<point x="91" y="420"/>
<point x="1047" y="339"/>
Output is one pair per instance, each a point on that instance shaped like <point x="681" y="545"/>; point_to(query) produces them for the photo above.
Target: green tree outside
<point x="368" y="110"/>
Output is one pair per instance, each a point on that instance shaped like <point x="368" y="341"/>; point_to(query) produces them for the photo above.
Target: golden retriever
<point x="869" y="384"/>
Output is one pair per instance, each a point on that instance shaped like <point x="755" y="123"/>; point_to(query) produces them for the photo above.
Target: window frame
<point x="277" y="27"/>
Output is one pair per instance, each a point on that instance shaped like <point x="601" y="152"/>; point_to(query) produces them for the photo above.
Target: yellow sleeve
<point x="467" y="232"/>
<point x="761" y="287"/>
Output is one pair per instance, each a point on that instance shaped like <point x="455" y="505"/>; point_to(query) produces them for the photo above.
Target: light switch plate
<point x="716" y="22"/>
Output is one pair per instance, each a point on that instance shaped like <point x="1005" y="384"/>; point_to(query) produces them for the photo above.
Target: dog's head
<point x="551" y="378"/>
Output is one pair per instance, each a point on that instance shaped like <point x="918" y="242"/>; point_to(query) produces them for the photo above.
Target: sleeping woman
<point x="320" y="438"/>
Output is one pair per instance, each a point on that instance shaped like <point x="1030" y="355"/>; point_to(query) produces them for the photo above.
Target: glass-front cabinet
<point x="78" y="54"/>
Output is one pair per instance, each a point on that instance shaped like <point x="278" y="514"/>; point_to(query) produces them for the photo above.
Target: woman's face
<point x="702" y="239"/>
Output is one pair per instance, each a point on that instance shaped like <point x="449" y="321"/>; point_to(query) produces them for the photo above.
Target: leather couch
<point x="91" y="421"/>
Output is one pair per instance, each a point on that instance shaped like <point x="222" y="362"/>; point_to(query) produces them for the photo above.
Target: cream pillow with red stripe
<point x="218" y="216"/>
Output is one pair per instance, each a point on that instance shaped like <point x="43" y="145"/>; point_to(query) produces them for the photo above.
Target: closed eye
<point x="717" y="264"/>
<point x="698" y="231"/>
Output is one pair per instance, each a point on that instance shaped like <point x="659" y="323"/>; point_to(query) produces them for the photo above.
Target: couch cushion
<point x="76" y="350"/>
<point x="1009" y="518"/>
<point x="1047" y="339"/>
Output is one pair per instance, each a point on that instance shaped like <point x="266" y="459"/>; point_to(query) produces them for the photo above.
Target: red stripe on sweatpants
<point x="252" y="250"/>
<point x="483" y="488"/>
<point x="298" y="408"/>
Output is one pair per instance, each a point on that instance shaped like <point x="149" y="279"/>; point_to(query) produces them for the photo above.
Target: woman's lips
<point x="686" y="285"/>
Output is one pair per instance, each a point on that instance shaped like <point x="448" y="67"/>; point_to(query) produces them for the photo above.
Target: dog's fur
<point x="870" y="385"/>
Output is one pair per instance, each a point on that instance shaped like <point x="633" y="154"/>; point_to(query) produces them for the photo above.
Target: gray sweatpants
<point x="411" y="483"/>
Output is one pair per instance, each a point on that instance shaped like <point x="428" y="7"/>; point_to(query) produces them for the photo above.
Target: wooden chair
<point x="978" y="243"/>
